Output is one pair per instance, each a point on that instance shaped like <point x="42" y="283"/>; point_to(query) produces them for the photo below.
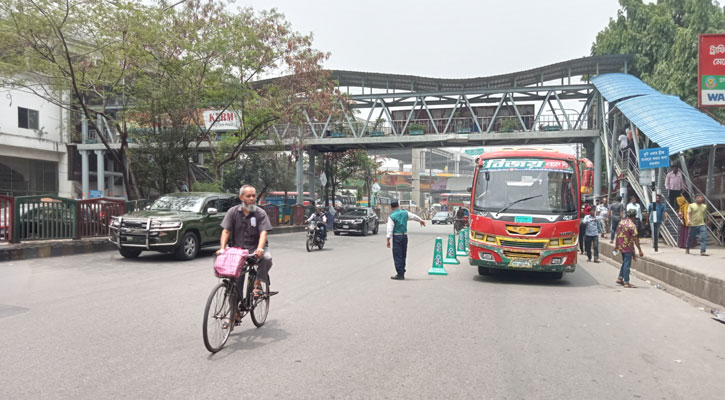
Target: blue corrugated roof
<point x="618" y="86"/>
<point x="666" y="120"/>
<point x="670" y="122"/>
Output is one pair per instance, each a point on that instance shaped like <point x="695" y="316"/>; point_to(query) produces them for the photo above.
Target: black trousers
<point x="672" y="196"/>
<point x="400" y="252"/>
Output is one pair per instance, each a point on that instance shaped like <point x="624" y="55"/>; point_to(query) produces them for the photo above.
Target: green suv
<point x="179" y="223"/>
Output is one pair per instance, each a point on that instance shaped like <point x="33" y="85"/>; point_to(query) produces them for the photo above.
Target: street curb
<point x="705" y="287"/>
<point x="57" y="248"/>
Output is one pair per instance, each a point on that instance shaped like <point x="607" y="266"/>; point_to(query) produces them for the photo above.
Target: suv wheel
<point x="375" y="229"/>
<point x="129" y="253"/>
<point x="188" y="248"/>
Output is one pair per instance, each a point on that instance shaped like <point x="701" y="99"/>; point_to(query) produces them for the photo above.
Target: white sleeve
<point x="389" y="227"/>
<point x="413" y="217"/>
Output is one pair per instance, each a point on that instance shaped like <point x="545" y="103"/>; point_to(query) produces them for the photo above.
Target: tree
<point x="340" y="166"/>
<point x="662" y="37"/>
<point x="266" y="171"/>
<point x="157" y="66"/>
<point x="161" y="158"/>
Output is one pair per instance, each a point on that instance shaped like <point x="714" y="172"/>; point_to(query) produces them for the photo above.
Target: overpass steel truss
<point x="548" y="101"/>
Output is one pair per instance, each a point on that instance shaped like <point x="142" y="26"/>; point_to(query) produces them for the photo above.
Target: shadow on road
<point x="248" y="337"/>
<point x="156" y="257"/>
<point x="580" y="278"/>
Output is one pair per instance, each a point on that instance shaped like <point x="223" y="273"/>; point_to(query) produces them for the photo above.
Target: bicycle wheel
<point x="260" y="307"/>
<point x="217" y="317"/>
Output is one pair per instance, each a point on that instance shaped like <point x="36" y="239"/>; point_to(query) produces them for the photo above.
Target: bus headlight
<point x="554" y="243"/>
<point x="485" y="256"/>
<point x="491" y="239"/>
<point x="477" y="235"/>
<point x="569" y="240"/>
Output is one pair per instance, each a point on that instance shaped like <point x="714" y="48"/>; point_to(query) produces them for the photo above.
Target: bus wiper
<point x="516" y="202"/>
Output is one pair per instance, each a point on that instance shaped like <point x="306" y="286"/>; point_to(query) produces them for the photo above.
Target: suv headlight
<point x="115" y="222"/>
<point x="359" y="221"/>
<point x="165" y="224"/>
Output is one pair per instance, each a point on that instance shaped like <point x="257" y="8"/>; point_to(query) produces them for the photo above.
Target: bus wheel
<point x="484" y="270"/>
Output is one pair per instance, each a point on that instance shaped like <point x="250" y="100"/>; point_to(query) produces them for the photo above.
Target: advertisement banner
<point x="219" y="120"/>
<point x="711" y="70"/>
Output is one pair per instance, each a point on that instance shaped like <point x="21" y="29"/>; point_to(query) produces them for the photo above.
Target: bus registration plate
<point x="521" y="263"/>
<point x="525" y="220"/>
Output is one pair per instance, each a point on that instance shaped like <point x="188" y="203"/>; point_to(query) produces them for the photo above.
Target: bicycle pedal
<point x="273" y="293"/>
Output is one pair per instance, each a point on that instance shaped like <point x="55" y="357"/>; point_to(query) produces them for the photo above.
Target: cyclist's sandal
<point x="257" y="292"/>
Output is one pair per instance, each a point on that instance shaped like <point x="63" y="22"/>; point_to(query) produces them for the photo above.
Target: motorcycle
<point x="314" y="236"/>
<point x="460" y="223"/>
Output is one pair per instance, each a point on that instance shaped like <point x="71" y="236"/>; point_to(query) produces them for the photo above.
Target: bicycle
<point x="229" y="303"/>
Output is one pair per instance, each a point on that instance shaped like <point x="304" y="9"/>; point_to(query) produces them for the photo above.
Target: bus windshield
<point x="535" y="186"/>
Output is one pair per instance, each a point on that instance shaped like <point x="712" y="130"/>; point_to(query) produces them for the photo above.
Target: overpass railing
<point x="460" y="125"/>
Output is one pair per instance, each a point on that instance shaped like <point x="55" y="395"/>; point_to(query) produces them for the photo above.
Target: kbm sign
<point x="654" y="158"/>
<point x="225" y="120"/>
<point x="711" y="70"/>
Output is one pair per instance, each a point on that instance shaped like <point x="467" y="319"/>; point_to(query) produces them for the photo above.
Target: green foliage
<point x="214" y="186"/>
<point x="266" y="171"/>
<point x="417" y="127"/>
<point x="509" y="125"/>
<point x="662" y="37"/>
<point x="160" y="159"/>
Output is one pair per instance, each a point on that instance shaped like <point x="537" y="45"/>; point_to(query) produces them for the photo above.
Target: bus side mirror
<point x="469" y="189"/>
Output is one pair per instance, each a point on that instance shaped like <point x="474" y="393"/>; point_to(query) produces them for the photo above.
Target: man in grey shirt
<point x="248" y="225"/>
<point x="616" y="212"/>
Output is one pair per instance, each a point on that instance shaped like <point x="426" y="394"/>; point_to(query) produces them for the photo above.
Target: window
<point x="226" y="203"/>
<point x="27" y="118"/>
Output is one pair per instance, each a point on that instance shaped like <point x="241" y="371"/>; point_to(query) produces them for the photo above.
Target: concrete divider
<point x="55" y="248"/>
<point x="702" y="285"/>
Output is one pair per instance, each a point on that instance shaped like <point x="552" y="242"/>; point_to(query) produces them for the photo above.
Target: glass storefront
<point x="27" y="177"/>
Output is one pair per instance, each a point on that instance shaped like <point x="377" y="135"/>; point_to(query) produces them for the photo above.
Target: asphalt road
<point x="98" y="326"/>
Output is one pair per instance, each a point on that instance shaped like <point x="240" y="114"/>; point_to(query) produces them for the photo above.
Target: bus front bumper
<point x="549" y="260"/>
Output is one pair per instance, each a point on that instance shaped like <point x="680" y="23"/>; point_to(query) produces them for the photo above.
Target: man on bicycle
<point x="247" y="225"/>
<point x="321" y="219"/>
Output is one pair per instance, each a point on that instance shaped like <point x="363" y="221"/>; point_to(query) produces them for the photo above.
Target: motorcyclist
<point x="321" y="219"/>
<point x="460" y="219"/>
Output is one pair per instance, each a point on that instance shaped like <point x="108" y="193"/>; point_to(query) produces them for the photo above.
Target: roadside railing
<point x="7" y="204"/>
<point x="44" y="218"/>
<point x="94" y="215"/>
<point x="50" y="217"/>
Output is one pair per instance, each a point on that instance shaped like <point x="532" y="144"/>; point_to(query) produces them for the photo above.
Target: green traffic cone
<point x="437" y="268"/>
<point x="462" y="249"/>
<point x="450" y="257"/>
<point x="467" y="236"/>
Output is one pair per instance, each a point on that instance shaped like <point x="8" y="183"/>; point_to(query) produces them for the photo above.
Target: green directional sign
<point x="474" y="152"/>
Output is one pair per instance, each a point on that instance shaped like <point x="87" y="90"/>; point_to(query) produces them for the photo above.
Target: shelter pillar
<point x="710" y="185"/>
<point x="100" y="171"/>
<point x="597" y="167"/>
<point x="415" y="175"/>
<point x="85" y="174"/>
<point x="313" y="177"/>
<point x="683" y="166"/>
<point x="300" y="178"/>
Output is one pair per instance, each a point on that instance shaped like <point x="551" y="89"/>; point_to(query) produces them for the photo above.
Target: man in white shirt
<point x="634" y="205"/>
<point x="603" y="215"/>
<point x="398" y="231"/>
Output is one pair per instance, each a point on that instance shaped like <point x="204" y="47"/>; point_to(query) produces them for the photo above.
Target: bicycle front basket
<point x="229" y="264"/>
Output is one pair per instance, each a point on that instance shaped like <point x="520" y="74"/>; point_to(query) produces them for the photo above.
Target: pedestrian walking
<point x="616" y="213"/>
<point x="684" y="231"/>
<point x="627" y="239"/>
<point x="603" y="215"/>
<point x="696" y="218"/>
<point x="623" y="145"/>
<point x="657" y="215"/>
<point x="592" y="228"/>
<point x="633" y="205"/>
<point x="397" y="230"/>
<point x="674" y="184"/>
<point x="586" y="210"/>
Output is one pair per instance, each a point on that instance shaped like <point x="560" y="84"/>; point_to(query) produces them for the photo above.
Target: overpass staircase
<point x="626" y="167"/>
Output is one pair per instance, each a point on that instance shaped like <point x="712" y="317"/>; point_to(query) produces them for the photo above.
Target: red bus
<point x="525" y="211"/>
<point x="453" y="200"/>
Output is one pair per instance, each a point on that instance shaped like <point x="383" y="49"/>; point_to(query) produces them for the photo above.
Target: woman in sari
<point x="682" y="205"/>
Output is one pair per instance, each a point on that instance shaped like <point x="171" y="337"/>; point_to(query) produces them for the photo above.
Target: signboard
<point x="95" y="194"/>
<point x="527" y="164"/>
<point x="474" y="152"/>
<point x="376" y="187"/>
<point x="646" y="177"/>
<point x="654" y="158"/>
<point x="225" y="120"/>
<point x="323" y="179"/>
<point x="711" y="70"/>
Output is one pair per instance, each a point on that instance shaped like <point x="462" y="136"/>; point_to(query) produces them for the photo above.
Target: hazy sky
<point x="447" y="39"/>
